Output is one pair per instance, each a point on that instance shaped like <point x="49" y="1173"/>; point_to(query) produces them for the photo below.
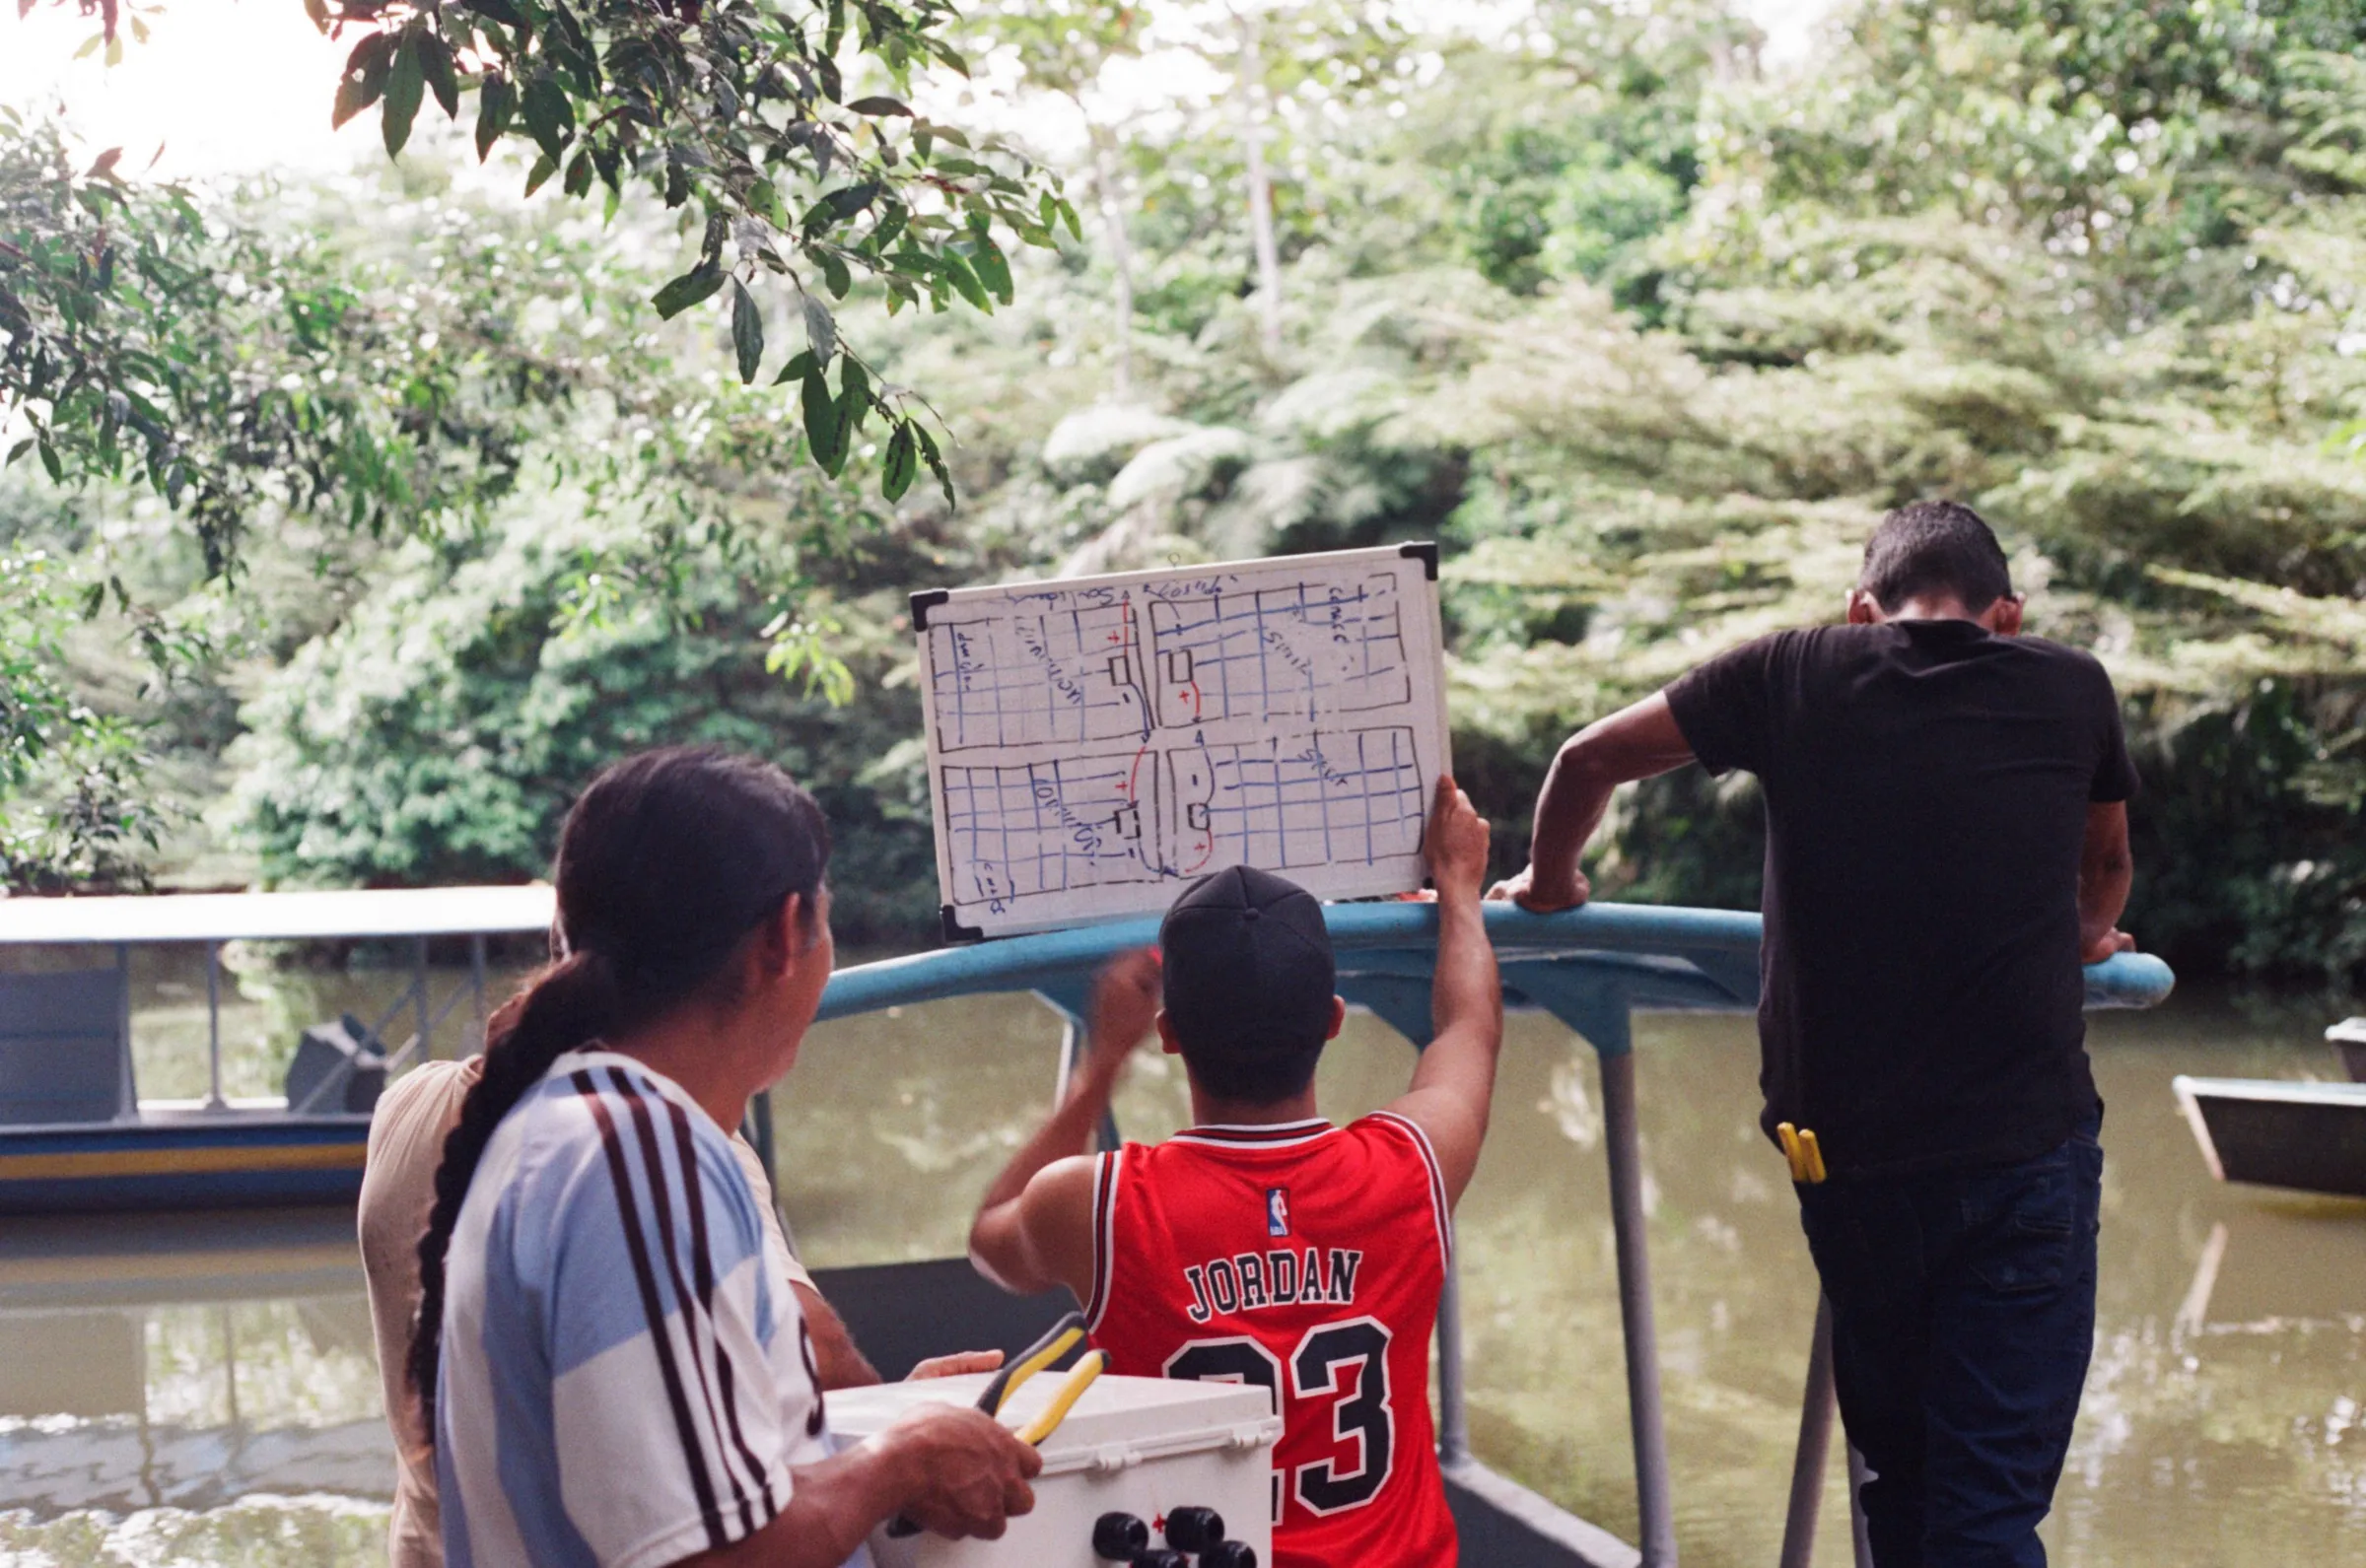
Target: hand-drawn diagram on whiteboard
<point x="1097" y="742"/>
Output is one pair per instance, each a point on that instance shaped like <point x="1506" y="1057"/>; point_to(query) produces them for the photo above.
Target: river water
<point x="202" y="1390"/>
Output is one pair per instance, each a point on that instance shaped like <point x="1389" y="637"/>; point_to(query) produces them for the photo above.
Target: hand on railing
<point x="1543" y="896"/>
<point x="2109" y="944"/>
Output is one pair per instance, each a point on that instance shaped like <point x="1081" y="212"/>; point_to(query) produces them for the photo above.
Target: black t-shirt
<point x="1927" y="789"/>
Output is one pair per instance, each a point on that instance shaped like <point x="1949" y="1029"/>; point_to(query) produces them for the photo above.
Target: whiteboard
<point x="1097" y="743"/>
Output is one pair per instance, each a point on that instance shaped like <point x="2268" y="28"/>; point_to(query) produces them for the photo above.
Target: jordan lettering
<point x="1255" y="1282"/>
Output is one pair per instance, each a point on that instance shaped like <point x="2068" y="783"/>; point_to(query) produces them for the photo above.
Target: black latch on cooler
<point x="1119" y="1538"/>
<point x="1194" y="1530"/>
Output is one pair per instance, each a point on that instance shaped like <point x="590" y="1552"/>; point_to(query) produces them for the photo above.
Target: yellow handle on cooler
<point x="1056" y="1343"/>
<point x="1079" y="1377"/>
<point x="1050" y="1349"/>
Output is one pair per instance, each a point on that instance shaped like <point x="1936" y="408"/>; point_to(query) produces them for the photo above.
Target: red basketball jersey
<point x="1308" y="1259"/>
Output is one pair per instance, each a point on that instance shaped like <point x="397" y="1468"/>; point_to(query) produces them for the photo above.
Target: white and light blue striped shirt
<point x="622" y="1385"/>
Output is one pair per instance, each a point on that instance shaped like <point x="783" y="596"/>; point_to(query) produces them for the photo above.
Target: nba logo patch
<point x="1277" y="1211"/>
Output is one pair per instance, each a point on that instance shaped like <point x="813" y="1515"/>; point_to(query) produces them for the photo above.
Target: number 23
<point x="1318" y="1368"/>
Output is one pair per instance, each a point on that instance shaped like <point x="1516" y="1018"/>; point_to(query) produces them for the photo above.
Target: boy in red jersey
<point x="1264" y="1245"/>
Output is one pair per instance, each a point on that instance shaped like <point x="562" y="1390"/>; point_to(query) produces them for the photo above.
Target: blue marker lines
<point x="1062" y="672"/>
<point x="1302" y="651"/>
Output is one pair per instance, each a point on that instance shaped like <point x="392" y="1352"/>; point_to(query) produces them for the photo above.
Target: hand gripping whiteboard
<point x="1097" y="743"/>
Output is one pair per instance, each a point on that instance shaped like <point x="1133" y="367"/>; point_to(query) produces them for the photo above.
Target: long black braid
<point x="666" y="864"/>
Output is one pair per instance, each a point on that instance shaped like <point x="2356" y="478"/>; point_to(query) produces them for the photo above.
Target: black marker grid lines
<point x="1115" y="736"/>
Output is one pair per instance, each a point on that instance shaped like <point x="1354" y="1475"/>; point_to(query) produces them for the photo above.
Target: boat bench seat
<point x="61" y="1048"/>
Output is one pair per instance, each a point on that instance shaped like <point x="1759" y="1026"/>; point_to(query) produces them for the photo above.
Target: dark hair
<point x="666" y="864"/>
<point x="1935" y="547"/>
<point x="1250" y="980"/>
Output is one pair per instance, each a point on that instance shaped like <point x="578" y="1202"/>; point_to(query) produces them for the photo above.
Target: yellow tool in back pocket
<point x="1800" y="1146"/>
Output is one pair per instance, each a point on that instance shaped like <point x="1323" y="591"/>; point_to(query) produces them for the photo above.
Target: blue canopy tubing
<point x="1588" y="966"/>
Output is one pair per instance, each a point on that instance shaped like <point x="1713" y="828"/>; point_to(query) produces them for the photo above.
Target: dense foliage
<point x="241" y="373"/>
<point x="736" y="113"/>
<point x="1648" y="337"/>
<point x="98" y="819"/>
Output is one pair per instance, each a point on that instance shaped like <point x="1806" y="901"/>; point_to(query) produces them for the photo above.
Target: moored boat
<point x="76" y="1134"/>
<point x="2310" y="1137"/>
<point x="2348" y="1038"/>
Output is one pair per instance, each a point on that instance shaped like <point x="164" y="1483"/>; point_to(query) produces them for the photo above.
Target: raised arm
<point x="2106" y="871"/>
<point x="1455" y="1078"/>
<point x="1641" y="742"/>
<point x="1034" y="1225"/>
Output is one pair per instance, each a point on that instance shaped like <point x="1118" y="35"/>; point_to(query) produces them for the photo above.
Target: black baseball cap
<point x="1247" y="965"/>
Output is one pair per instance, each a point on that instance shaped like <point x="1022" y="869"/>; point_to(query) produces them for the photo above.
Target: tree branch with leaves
<point x="739" y="114"/>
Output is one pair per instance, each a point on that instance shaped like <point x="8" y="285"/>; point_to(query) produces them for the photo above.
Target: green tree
<point x="1064" y="47"/>
<point x="1291" y="63"/>
<point x="439" y="731"/>
<point x="74" y="807"/>
<point x="1648" y="338"/>
<point x="393" y="366"/>
<point x="735" y="113"/>
<point x="238" y="372"/>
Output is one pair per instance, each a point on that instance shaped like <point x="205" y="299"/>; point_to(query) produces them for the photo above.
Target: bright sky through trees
<point x="222" y="86"/>
<point x="168" y="92"/>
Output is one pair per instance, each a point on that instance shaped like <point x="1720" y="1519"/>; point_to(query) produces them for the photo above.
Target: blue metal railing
<point x="1704" y="956"/>
<point x="1589" y="968"/>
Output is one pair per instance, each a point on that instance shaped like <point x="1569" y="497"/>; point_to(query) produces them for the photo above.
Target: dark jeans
<point x="1963" y="1310"/>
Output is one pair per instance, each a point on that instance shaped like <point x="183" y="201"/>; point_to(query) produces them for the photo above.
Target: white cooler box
<point x="1139" y="1446"/>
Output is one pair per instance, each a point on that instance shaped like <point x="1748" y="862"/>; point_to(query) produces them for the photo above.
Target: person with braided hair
<point x="407" y="1130"/>
<point x="608" y="1368"/>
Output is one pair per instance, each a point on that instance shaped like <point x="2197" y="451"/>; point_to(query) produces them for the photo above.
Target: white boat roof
<point x="278" y="917"/>
<point x="2287" y="1091"/>
<point x="2349" y="1028"/>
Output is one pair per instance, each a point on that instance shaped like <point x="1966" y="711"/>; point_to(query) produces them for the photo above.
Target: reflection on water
<point x="264" y="1531"/>
<point x="202" y="1388"/>
<point x="189" y="1388"/>
<point x="214" y="1399"/>
<point x="2211" y="1431"/>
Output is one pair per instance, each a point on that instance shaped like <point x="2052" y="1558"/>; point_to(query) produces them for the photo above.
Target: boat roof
<point x="278" y="917"/>
<point x="2349" y="1028"/>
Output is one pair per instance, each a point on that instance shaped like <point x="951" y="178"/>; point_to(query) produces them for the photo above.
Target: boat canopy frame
<point x="1589" y="968"/>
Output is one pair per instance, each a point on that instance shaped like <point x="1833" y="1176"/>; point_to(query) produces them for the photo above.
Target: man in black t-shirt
<point x="1946" y="843"/>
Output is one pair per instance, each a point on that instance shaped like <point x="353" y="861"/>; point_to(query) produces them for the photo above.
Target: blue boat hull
<point x="231" y="1160"/>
